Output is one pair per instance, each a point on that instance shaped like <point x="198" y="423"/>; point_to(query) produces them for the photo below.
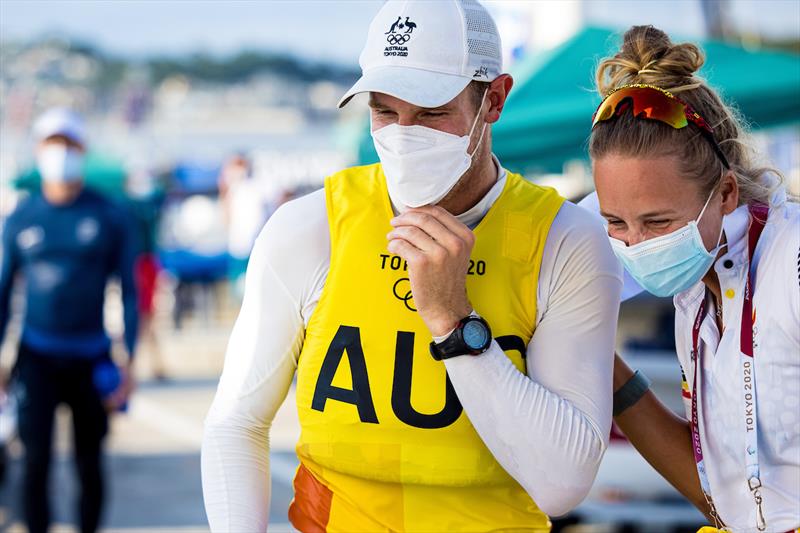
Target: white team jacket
<point x="776" y="302"/>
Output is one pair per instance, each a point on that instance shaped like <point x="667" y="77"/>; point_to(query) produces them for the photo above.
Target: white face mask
<point x="423" y="164"/>
<point x="59" y="164"/>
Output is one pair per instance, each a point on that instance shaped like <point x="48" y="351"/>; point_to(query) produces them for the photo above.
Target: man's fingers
<point x="432" y="226"/>
<point x="417" y="237"/>
<point x="406" y="250"/>
<point x="449" y="221"/>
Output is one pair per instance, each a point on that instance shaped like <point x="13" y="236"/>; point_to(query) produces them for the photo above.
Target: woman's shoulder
<point x="778" y="254"/>
<point x="782" y="246"/>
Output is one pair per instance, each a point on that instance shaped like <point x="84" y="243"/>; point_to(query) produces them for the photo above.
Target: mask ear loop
<point x="710" y="196"/>
<point x="475" y="122"/>
<point x="718" y="246"/>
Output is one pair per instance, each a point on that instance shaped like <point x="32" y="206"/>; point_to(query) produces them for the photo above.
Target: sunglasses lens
<point x="648" y="103"/>
<point x="607" y="109"/>
<point x="657" y="106"/>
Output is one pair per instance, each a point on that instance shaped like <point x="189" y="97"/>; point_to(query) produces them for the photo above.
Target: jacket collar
<point x="735" y="226"/>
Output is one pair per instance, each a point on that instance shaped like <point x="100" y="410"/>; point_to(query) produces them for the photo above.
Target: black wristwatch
<point x="472" y="336"/>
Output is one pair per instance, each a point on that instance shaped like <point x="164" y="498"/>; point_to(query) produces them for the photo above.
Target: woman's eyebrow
<point x="662" y="212"/>
<point x="649" y="214"/>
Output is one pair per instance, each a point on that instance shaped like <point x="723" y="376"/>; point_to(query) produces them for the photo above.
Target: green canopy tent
<point x="547" y="117"/>
<point x="102" y="173"/>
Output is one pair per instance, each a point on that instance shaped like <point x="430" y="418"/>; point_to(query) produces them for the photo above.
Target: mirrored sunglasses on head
<point x="654" y="103"/>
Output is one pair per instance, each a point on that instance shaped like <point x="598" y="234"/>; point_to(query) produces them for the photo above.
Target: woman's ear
<point x="729" y="192"/>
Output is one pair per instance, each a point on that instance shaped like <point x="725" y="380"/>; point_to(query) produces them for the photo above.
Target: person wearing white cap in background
<point x="66" y="242"/>
<point x="451" y="325"/>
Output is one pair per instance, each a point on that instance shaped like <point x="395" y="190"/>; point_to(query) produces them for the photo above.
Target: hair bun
<point x="649" y="56"/>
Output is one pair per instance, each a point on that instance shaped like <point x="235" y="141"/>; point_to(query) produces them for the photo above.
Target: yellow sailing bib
<point x="377" y="413"/>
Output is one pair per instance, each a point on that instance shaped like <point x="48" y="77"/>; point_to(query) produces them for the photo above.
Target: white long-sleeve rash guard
<point x="548" y="429"/>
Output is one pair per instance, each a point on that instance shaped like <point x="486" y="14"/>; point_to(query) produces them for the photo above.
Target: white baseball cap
<point x="426" y="52"/>
<point x="60" y="121"/>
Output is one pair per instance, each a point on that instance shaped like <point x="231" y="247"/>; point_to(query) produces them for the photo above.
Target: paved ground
<point x="153" y="459"/>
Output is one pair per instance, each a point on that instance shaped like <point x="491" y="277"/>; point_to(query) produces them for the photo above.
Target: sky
<point x="318" y="28"/>
<point x="332" y="30"/>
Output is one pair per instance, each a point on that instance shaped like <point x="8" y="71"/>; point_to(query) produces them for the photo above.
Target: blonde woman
<point x="691" y="215"/>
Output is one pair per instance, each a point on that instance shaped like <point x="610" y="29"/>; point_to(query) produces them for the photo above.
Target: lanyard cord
<point x="758" y="215"/>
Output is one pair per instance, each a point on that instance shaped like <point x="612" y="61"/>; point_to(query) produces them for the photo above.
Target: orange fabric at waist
<point x="373" y="506"/>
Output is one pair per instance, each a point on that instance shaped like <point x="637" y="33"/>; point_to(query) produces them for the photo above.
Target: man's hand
<point x="122" y="394"/>
<point x="437" y="248"/>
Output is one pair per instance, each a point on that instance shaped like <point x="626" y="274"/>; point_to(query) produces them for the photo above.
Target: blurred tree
<point x="245" y="65"/>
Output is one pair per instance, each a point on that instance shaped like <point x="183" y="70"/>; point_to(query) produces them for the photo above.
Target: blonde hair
<point x="648" y="56"/>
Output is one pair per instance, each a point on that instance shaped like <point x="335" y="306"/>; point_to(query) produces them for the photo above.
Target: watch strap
<point x="454" y="344"/>
<point x="440" y="350"/>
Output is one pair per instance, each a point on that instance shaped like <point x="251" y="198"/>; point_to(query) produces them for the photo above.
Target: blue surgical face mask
<point x="671" y="263"/>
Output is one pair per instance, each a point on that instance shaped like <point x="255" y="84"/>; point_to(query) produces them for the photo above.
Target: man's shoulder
<point x="579" y="243"/>
<point x="530" y="206"/>
<point x="25" y="209"/>
<point x="575" y="222"/>
<point x="298" y="223"/>
<point x="92" y="196"/>
<point x="94" y="200"/>
<point x="294" y="244"/>
<point x="308" y="206"/>
<point x="115" y="211"/>
<point x="530" y="190"/>
<point x="356" y="177"/>
<point x="372" y="169"/>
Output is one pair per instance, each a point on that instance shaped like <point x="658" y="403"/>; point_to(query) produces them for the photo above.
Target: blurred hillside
<point x="57" y="71"/>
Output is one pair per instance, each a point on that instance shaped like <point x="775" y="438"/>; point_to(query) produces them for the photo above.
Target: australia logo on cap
<point x="400" y="32"/>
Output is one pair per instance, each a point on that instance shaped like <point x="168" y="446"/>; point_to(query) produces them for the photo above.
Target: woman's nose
<point x="634" y="237"/>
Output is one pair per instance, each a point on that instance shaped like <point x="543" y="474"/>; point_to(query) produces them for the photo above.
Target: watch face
<point x="475" y="334"/>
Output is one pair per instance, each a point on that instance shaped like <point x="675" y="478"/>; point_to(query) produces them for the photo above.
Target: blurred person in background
<point x="415" y="416"/>
<point x="245" y="212"/>
<point x="692" y="214"/>
<point x="66" y="242"/>
<point x="146" y="200"/>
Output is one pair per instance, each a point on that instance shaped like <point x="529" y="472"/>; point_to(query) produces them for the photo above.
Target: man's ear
<point x="497" y="95"/>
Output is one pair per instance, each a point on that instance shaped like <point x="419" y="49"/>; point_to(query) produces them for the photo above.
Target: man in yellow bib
<point x="451" y="325"/>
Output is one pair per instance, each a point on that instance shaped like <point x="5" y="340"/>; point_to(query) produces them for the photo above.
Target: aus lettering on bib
<point x="346" y="343"/>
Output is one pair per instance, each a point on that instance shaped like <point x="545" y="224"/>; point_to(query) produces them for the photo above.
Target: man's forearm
<point x="546" y="443"/>
<point x="236" y="475"/>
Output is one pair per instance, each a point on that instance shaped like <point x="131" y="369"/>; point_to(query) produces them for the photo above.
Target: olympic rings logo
<point x="398" y="38"/>
<point x="403" y="295"/>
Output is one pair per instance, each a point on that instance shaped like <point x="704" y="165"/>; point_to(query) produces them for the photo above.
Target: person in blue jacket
<point x="66" y="242"/>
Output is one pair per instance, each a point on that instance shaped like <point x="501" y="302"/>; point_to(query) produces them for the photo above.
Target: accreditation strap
<point x="712" y="529"/>
<point x="758" y="219"/>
